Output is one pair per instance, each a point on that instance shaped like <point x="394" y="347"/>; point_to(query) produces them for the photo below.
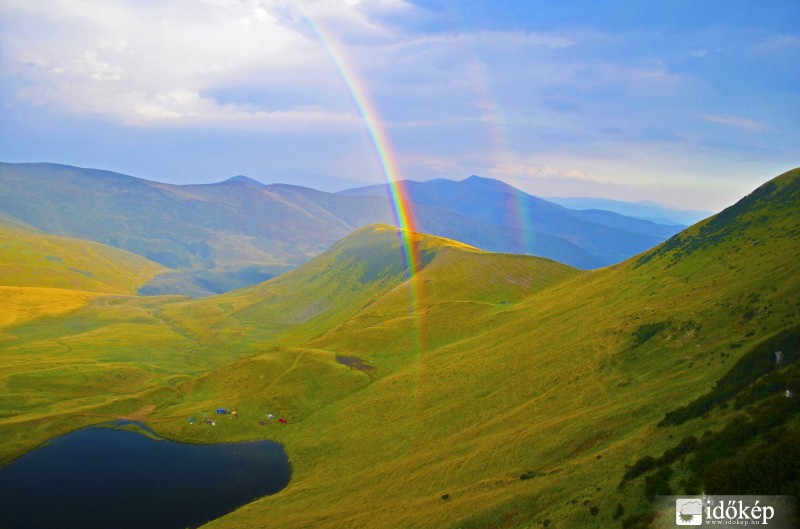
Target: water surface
<point x="107" y="478"/>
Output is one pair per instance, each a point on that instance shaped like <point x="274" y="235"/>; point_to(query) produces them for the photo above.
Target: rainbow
<point x="504" y="147"/>
<point x="401" y="204"/>
<point x="498" y="132"/>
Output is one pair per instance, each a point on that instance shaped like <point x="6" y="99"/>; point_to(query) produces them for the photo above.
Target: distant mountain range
<point x="644" y="210"/>
<point x="538" y="224"/>
<point x="223" y="236"/>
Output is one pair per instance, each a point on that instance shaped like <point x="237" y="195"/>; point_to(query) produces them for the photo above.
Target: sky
<point x="688" y="104"/>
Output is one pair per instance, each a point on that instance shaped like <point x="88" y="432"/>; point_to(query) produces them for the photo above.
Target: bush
<point x="658" y="484"/>
<point x="640" y="467"/>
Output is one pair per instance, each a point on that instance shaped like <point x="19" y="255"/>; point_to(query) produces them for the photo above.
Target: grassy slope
<point x="31" y="259"/>
<point x="516" y="366"/>
<point x="135" y="346"/>
<point x="44" y="274"/>
<point x="307" y="301"/>
<point x="48" y="279"/>
<point x="555" y="386"/>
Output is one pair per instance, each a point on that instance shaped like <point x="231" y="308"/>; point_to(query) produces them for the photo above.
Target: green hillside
<point x="158" y="339"/>
<point x="514" y="415"/>
<point x="45" y="274"/>
<point x="31" y="259"/>
<point x="489" y="390"/>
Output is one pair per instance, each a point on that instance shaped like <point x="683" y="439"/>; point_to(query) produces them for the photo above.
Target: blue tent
<point x="221" y="411"/>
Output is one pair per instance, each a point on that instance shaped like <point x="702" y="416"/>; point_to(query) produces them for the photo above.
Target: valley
<point x="507" y="391"/>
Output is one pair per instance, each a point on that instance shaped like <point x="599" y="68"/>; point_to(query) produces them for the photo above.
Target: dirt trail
<point x="138" y="415"/>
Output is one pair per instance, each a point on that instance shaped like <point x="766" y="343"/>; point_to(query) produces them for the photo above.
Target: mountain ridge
<point x="222" y="236"/>
<point x="497" y="203"/>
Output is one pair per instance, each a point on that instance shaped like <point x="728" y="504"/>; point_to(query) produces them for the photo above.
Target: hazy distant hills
<point x="359" y="210"/>
<point x="608" y="237"/>
<point x="218" y="237"/>
<point x="644" y="210"/>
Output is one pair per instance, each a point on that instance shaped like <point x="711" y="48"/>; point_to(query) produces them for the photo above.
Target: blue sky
<point x="690" y="104"/>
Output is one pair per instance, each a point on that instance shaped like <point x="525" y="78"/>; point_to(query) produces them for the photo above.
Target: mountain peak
<point x="241" y="179"/>
<point x="481" y="182"/>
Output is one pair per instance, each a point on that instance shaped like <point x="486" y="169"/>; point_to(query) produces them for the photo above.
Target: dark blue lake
<point x="107" y="478"/>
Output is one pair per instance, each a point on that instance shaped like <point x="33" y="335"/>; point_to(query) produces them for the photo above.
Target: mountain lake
<point x="106" y="477"/>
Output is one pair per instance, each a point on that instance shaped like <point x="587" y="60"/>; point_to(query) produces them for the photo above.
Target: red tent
<point x="283" y="421"/>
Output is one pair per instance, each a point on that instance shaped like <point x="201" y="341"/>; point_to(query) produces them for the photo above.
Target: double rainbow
<point x="401" y="203"/>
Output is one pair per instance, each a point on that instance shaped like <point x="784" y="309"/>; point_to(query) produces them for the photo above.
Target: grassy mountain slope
<point x="232" y="233"/>
<point x="309" y="300"/>
<point x="502" y="391"/>
<point x="21" y="304"/>
<point x="166" y="340"/>
<point x="44" y="274"/>
<point x="564" y="388"/>
<point x="30" y="259"/>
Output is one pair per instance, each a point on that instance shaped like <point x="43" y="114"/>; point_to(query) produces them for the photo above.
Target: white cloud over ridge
<point x="583" y="103"/>
<point x="533" y="171"/>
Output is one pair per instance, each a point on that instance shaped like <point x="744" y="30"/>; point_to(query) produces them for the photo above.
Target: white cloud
<point x="564" y="109"/>
<point x="162" y="63"/>
<point x="431" y="163"/>
<point x="736" y="122"/>
<point x="533" y="171"/>
<point x="156" y="63"/>
<point x="772" y="43"/>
